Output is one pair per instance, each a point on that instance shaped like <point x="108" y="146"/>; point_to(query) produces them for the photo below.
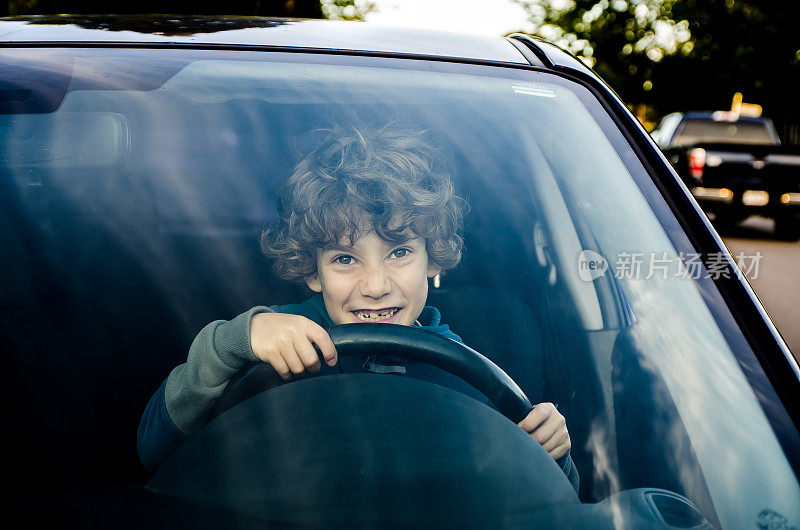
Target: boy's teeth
<point x="371" y="315"/>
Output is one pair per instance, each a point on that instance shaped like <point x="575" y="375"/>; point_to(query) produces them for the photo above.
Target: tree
<point x="683" y="54"/>
<point x="742" y="46"/>
<point x="346" y="9"/>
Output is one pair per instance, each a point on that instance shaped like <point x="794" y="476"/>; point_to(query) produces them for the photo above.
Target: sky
<point x="482" y="17"/>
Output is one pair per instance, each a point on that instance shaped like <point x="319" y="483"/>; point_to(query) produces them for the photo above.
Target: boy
<point x="365" y="220"/>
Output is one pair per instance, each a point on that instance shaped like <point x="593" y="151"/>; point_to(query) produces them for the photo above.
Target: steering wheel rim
<point x="407" y="342"/>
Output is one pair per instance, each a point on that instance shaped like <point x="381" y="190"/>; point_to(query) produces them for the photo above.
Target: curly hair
<point x="388" y="179"/>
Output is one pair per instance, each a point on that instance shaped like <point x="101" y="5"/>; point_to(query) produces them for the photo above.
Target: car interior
<point x="116" y="258"/>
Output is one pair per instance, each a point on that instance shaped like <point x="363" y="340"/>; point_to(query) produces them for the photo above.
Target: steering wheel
<point x="364" y="450"/>
<point x="407" y="342"/>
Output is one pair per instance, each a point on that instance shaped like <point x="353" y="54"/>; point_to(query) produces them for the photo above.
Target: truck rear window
<point x="741" y="132"/>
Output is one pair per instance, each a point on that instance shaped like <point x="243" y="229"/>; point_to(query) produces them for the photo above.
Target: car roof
<point x="255" y="31"/>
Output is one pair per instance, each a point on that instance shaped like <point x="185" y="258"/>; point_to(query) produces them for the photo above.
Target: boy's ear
<point x="433" y="269"/>
<point x="314" y="283"/>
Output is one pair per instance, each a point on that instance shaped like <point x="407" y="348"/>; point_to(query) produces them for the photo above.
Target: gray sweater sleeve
<point x="220" y="350"/>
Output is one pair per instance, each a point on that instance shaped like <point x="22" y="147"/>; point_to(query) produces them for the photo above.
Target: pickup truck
<point x="735" y="167"/>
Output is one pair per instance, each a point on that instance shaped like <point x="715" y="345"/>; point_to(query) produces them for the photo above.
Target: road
<point x="777" y="283"/>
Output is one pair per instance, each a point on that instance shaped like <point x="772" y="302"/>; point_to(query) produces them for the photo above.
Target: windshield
<point x="136" y="186"/>
<point x="739" y="132"/>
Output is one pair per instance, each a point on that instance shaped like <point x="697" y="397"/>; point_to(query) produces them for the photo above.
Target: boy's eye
<point x="400" y="253"/>
<point x="343" y="260"/>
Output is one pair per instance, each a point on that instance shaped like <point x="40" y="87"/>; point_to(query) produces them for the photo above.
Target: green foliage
<point x="683" y="54"/>
<point x="19" y="7"/>
<point x="346" y="9"/>
<point x="621" y="39"/>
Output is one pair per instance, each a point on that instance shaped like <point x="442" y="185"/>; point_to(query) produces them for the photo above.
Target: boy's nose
<point x="375" y="284"/>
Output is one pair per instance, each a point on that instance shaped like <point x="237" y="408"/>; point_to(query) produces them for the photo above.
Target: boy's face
<point x="374" y="281"/>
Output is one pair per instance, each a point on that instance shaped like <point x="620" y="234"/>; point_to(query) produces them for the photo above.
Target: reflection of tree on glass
<point x="365" y="219"/>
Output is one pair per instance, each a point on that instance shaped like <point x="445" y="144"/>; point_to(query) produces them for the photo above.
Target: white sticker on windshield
<point x="533" y="89"/>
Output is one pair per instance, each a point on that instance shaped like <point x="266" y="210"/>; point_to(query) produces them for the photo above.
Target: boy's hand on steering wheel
<point x="548" y="427"/>
<point x="287" y="343"/>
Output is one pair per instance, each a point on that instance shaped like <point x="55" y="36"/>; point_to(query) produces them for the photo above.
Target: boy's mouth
<point x="376" y="315"/>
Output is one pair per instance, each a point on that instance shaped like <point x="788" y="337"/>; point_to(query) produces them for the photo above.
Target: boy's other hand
<point x="548" y="427"/>
<point x="287" y="343"/>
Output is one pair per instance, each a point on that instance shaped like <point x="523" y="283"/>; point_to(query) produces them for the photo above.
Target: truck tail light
<point x="697" y="161"/>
